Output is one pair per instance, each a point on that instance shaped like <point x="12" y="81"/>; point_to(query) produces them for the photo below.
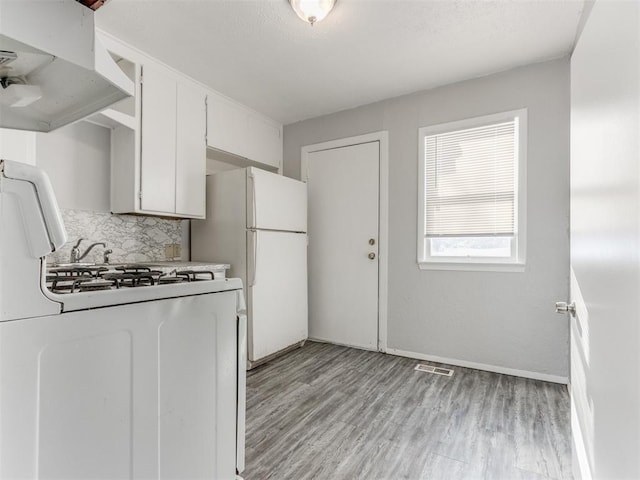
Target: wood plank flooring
<point x="337" y="413"/>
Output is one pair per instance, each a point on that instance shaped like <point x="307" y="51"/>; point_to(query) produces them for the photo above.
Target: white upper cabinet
<point x="159" y="168"/>
<point x="161" y="138"/>
<point x="265" y="142"/>
<point x="173" y="148"/>
<point x="158" y="144"/>
<point x="227" y="125"/>
<point x="234" y="129"/>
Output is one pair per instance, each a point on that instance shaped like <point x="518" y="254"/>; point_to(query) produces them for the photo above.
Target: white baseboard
<point x="359" y="347"/>
<point x="481" y="366"/>
<point x="581" y="468"/>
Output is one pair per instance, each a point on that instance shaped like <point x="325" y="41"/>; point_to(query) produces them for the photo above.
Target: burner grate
<point x="92" y="278"/>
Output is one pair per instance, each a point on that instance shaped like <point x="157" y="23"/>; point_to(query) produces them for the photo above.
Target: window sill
<point x="473" y="266"/>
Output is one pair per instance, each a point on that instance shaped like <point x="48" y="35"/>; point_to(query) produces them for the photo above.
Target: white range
<point x="111" y="383"/>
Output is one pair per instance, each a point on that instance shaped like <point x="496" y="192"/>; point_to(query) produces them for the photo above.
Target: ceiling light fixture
<point x="312" y="11"/>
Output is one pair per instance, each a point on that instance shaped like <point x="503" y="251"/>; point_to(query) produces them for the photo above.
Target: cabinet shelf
<point x="123" y="113"/>
<point x="111" y="118"/>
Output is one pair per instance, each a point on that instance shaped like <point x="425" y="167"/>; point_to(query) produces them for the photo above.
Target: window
<point x="472" y="192"/>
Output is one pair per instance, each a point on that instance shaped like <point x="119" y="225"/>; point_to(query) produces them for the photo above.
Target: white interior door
<point x="605" y="244"/>
<point x="277" y="293"/>
<point x="343" y="188"/>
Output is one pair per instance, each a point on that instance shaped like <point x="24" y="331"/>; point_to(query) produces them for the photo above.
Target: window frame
<point x="516" y="262"/>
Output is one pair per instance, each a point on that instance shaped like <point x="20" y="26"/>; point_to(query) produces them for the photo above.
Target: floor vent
<point x="422" y="367"/>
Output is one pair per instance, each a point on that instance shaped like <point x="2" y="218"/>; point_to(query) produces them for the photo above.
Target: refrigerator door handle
<point x="252" y="192"/>
<point x="254" y="259"/>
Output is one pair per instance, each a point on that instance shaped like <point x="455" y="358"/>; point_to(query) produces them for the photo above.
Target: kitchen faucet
<point x="75" y="251"/>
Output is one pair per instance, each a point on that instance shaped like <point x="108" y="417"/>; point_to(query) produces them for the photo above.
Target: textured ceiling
<point x="259" y="53"/>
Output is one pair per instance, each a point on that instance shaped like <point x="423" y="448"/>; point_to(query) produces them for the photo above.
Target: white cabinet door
<point x="266" y="141"/>
<point x="235" y="129"/>
<point x="173" y="148"/>
<point x="158" y="140"/>
<point x="190" y="151"/>
<point x="227" y="126"/>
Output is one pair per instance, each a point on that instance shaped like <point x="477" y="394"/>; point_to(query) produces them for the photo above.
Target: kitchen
<point x="494" y="321"/>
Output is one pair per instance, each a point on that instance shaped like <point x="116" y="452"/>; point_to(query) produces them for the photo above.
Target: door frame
<point x="383" y="212"/>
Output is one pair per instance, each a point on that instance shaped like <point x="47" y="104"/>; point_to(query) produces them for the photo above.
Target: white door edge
<point x="383" y="221"/>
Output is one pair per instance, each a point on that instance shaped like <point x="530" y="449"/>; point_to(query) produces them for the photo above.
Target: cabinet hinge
<point x="140" y="194"/>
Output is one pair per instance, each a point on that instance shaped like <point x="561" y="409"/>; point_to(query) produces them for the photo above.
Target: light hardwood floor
<point x="331" y="412"/>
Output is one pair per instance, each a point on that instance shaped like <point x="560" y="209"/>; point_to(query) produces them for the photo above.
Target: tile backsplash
<point x="132" y="238"/>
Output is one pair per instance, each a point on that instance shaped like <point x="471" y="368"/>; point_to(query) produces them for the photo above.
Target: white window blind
<point x="470" y="181"/>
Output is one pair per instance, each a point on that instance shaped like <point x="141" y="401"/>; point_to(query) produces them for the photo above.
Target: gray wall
<point x="503" y="320"/>
<point x="77" y="159"/>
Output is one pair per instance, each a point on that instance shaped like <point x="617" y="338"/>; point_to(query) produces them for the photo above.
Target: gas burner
<point x="130" y="279"/>
<point x="133" y="268"/>
<point x="76" y="271"/>
<point x="93" y="285"/>
<point x="80" y="283"/>
<point x="169" y="278"/>
<point x="91" y="278"/>
<point x="165" y="280"/>
<point x="196" y="275"/>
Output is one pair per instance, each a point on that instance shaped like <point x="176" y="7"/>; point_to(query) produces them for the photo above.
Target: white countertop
<point x="168" y="266"/>
<point x="93" y="299"/>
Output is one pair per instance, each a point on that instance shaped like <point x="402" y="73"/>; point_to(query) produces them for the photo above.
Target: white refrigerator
<point x="257" y="222"/>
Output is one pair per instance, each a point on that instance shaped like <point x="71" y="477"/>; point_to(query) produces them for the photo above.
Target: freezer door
<point x="275" y="202"/>
<point x="277" y="292"/>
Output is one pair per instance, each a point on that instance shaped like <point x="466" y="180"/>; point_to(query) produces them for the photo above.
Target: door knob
<point x="372" y="255"/>
<point x="372" y="241"/>
<point x="564" y="307"/>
